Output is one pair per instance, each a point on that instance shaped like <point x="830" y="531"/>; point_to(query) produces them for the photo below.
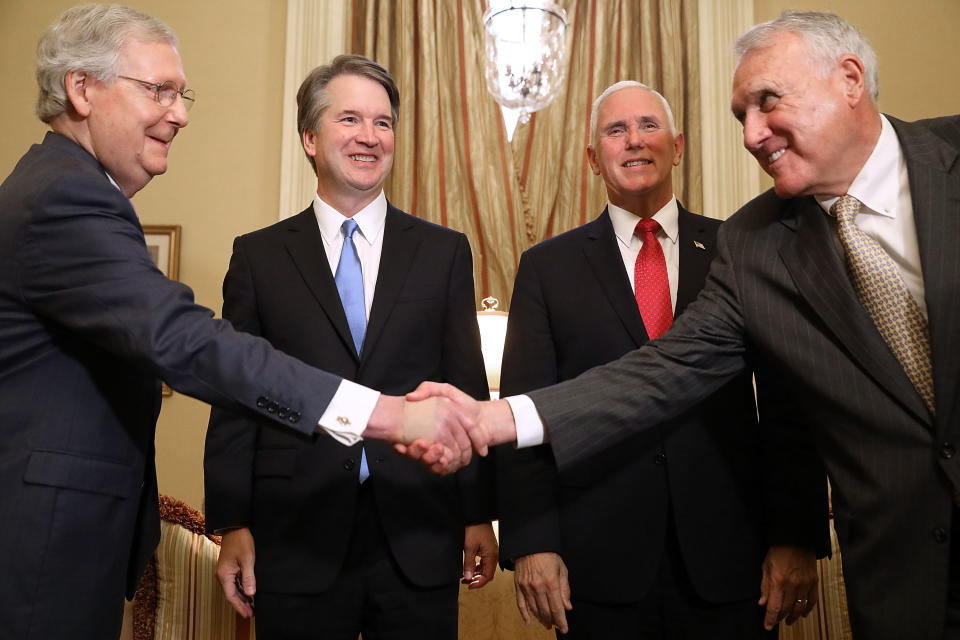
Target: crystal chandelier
<point x="526" y="57"/>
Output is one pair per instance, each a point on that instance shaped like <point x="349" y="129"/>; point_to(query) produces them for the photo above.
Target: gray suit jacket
<point x="778" y="295"/>
<point x="88" y="326"/>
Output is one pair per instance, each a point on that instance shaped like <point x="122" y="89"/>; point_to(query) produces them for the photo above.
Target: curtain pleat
<point x="453" y="163"/>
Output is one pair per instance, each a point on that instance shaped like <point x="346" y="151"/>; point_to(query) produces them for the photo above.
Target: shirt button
<point x="940" y="535"/>
<point x="348" y="464"/>
<point x="661" y="457"/>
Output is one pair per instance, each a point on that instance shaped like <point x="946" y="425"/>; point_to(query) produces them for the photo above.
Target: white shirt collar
<point x="625" y="222"/>
<point x="877" y="186"/>
<point x="370" y="219"/>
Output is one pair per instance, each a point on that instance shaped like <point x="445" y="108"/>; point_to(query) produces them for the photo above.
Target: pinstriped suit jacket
<point x="778" y="296"/>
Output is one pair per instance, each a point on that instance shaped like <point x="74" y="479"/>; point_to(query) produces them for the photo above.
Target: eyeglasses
<point x="167" y="92"/>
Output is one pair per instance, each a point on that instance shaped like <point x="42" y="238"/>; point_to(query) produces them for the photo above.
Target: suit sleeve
<point x="85" y="267"/>
<point x="704" y="349"/>
<point x="463" y="367"/>
<point x="231" y="437"/>
<point x="527" y="479"/>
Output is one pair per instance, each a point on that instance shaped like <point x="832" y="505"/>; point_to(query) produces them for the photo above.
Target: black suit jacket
<point x="298" y="494"/>
<point x="573" y="309"/>
<point x="88" y="325"/>
<point x="779" y="294"/>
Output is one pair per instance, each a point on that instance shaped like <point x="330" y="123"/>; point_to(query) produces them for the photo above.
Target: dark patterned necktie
<point x="650" y="283"/>
<point x="886" y="298"/>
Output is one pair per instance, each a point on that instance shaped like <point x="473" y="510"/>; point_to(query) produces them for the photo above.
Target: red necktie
<point x="651" y="286"/>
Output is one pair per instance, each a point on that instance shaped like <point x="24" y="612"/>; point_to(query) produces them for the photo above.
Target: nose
<point x="366" y="134"/>
<point x="755" y="131"/>
<point x="634" y="137"/>
<point x="177" y="113"/>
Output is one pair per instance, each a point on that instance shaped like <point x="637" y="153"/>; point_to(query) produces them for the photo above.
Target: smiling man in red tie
<point x="665" y="536"/>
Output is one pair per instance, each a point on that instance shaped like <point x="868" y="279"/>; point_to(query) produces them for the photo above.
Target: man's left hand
<point x="789" y="584"/>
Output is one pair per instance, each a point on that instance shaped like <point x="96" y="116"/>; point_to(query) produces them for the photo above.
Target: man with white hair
<point x="696" y="556"/>
<point x="842" y="288"/>
<point x="88" y="327"/>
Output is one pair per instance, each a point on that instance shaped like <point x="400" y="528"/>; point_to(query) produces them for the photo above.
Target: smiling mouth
<point x="773" y="157"/>
<point x="635" y="163"/>
<point x="360" y="158"/>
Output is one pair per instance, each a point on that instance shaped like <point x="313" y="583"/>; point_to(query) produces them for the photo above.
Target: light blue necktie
<point x="349" y="279"/>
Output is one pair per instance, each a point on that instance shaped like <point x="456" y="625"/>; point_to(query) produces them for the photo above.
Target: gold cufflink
<point x="343" y="421"/>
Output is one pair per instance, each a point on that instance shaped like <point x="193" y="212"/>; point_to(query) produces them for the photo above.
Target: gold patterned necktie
<point x="886" y="298"/>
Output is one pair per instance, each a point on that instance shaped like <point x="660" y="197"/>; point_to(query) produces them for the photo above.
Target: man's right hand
<point x="439" y="425"/>
<point x="486" y="424"/>
<point x="235" y="570"/>
<point x="543" y="589"/>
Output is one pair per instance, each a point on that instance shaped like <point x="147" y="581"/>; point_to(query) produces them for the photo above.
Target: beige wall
<point x="919" y="75"/>
<point x="224" y="172"/>
<point x="224" y="167"/>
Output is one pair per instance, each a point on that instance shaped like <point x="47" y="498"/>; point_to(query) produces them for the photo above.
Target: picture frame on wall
<point x="163" y="245"/>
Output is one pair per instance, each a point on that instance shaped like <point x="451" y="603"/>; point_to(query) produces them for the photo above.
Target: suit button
<point x="661" y="457"/>
<point x="348" y="464"/>
<point x="294" y="417"/>
<point x="381" y="460"/>
<point x="947" y="451"/>
<point x="283" y="412"/>
<point x="273" y="406"/>
<point x="940" y="535"/>
<point x="262" y="401"/>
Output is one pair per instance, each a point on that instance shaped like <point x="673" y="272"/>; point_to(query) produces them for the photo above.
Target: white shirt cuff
<point x="349" y="412"/>
<point x="530" y="429"/>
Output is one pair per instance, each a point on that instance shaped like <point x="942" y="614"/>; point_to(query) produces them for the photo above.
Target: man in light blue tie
<point x="338" y="541"/>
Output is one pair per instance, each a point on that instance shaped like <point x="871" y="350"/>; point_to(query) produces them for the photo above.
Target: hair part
<point x="312" y="99"/>
<point x="827" y="37"/>
<point x="88" y="38"/>
<point x="620" y="86"/>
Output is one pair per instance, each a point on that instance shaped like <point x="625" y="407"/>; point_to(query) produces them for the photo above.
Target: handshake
<point x="441" y="426"/>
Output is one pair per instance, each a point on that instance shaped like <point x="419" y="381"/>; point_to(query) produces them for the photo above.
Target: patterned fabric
<point x="651" y="286"/>
<point x="179" y="597"/>
<point x="886" y="298"/>
<point x="349" y="279"/>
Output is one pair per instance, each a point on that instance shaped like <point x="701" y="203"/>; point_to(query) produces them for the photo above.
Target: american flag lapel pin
<point x="699" y="245"/>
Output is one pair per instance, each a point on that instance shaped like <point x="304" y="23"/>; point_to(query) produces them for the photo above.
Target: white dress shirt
<point x="886" y="216"/>
<point x="349" y="410"/>
<point x="530" y="429"/>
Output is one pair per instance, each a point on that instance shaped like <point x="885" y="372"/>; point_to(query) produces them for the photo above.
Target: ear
<point x="75" y="83"/>
<point x="310" y="143"/>
<point x="852" y="79"/>
<point x="677" y="149"/>
<point x="592" y="159"/>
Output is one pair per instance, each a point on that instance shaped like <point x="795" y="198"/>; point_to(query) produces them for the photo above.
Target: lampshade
<point x="493" y="331"/>
<point x="526" y="57"/>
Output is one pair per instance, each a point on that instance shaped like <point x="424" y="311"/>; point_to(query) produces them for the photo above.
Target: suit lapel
<point x="696" y="253"/>
<point x="400" y="242"/>
<point x="817" y="269"/>
<point x="305" y="246"/>
<point x="603" y="256"/>
<point x="933" y="169"/>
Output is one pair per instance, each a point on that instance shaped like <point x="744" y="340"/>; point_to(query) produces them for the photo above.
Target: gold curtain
<point x="453" y="163"/>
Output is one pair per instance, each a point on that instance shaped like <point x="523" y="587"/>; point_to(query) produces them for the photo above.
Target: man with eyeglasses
<point x="88" y="325"/>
